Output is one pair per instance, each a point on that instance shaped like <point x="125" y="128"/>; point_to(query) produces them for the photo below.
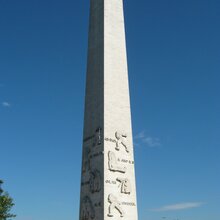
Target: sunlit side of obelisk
<point x="108" y="189"/>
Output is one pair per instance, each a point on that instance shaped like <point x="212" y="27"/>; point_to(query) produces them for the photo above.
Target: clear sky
<point x="174" y="68"/>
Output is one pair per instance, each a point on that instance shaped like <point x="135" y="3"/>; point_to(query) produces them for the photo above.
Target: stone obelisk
<point x="108" y="188"/>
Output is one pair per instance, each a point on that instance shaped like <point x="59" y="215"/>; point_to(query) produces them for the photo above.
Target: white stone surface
<point x="108" y="188"/>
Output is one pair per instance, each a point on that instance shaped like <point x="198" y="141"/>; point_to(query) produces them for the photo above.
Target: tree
<point x="6" y="203"/>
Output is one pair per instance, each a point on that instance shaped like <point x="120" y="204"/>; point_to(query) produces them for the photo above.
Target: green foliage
<point x="6" y="203"/>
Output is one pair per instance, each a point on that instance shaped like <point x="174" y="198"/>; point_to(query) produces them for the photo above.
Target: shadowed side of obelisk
<point x="91" y="199"/>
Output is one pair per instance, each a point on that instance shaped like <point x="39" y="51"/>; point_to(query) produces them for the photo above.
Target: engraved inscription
<point x="110" y="140"/>
<point x="126" y="161"/>
<point x="96" y="155"/>
<point x="128" y="203"/>
<point x="95" y="181"/>
<point x="121" y="141"/>
<point x="98" y="204"/>
<point x="113" y="164"/>
<point x="87" y="210"/>
<point x="97" y="137"/>
<point x="125" y="185"/>
<point x="114" y="205"/>
<point x="111" y="182"/>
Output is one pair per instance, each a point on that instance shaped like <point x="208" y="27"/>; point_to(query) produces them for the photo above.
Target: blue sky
<point x="174" y="68"/>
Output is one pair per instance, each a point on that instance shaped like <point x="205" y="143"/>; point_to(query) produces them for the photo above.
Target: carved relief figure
<point x="97" y="137"/>
<point x="95" y="181"/>
<point x="113" y="164"/>
<point x="125" y="185"/>
<point x="87" y="210"/>
<point x="121" y="141"/>
<point x="114" y="205"/>
<point x="86" y="161"/>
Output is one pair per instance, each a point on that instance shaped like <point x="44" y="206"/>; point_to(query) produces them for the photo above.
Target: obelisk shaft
<point x="108" y="188"/>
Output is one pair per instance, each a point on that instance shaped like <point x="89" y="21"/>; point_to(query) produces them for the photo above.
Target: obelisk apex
<point x="108" y="188"/>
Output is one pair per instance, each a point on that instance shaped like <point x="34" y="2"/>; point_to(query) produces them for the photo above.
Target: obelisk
<point x="108" y="189"/>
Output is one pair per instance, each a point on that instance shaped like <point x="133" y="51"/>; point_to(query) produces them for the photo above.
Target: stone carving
<point x="97" y="137"/>
<point x="95" y="181"/>
<point x="113" y="164"/>
<point x="86" y="161"/>
<point x="87" y="210"/>
<point x="114" y="205"/>
<point x="125" y="185"/>
<point x="121" y="141"/>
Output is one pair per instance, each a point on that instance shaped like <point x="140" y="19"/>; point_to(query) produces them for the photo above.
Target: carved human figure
<point x="121" y="141"/>
<point x="87" y="210"/>
<point x="114" y="205"/>
<point x="95" y="181"/>
<point x="98" y="137"/>
<point x="125" y="185"/>
<point x="113" y="164"/>
<point x="86" y="160"/>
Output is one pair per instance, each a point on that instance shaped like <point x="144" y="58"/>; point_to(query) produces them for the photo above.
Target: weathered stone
<point x="108" y="188"/>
